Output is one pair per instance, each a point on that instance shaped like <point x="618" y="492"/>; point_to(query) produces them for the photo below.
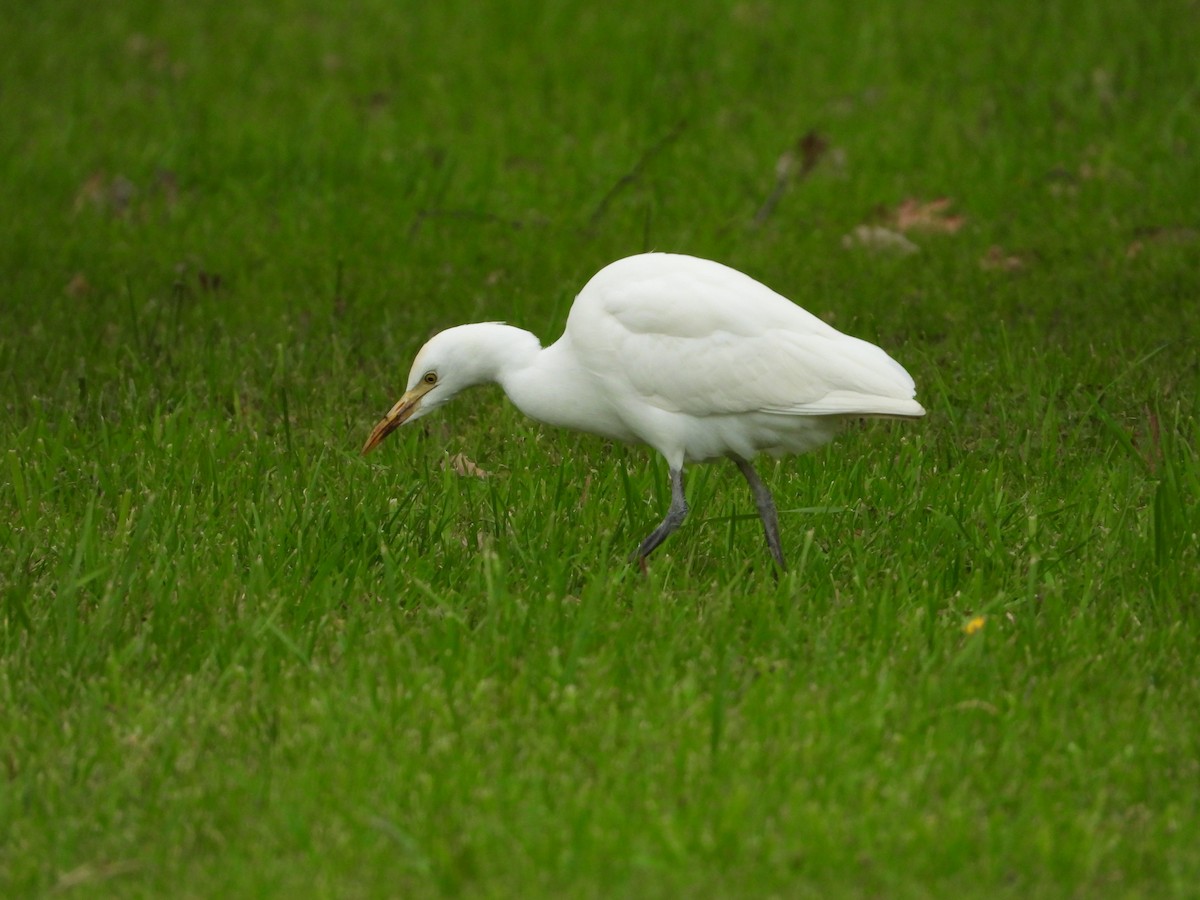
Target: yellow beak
<point x="398" y="415"/>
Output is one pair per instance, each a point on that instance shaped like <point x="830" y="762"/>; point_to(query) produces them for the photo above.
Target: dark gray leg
<point x="766" y="509"/>
<point x="675" y="516"/>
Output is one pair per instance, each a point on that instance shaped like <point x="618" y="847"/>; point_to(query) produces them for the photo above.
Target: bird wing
<point x="692" y="336"/>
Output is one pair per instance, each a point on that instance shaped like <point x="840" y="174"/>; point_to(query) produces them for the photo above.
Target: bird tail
<point x="851" y="403"/>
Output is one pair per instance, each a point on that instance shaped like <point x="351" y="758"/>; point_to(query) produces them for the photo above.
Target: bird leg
<point x="766" y="509"/>
<point x="675" y="515"/>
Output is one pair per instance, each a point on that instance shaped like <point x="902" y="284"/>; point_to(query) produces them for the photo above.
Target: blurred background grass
<point x="239" y="659"/>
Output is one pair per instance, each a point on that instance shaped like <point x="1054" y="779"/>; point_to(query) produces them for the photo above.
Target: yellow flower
<point x="976" y="624"/>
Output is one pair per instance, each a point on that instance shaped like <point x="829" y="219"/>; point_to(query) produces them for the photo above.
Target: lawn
<point x="237" y="658"/>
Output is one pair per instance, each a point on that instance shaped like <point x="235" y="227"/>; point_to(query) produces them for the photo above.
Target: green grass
<point x="238" y="659"/>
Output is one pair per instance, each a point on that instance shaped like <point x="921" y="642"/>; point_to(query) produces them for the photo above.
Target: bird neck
<point x="545" y="384"/>
<point x="497" y="352"/>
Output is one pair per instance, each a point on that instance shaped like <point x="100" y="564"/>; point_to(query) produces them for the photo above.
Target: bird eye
<point x="430" y="378"/>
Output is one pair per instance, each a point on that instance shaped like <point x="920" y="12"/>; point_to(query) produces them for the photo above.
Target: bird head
<point x="450" y="361"/>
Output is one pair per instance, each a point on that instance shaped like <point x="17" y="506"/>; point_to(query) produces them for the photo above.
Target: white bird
<point x="693" y="358"/>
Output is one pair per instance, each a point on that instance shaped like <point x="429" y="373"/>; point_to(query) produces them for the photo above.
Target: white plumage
<point x="693" y="358"/>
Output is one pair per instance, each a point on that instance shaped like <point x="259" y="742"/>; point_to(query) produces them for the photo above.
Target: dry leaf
<point x="797" y="162"/>
<point x="1162" y="236"/>
<point x="464" y="466"/>
<point x="115" y="195"/>
<point x="120" y="194"/>
<point x="78" y="286"/>
<point x="91" y="192"/>
<point x="812" y="147"/>
<point x="210" y="282"/>
<point x="998" y="259"/>
<point x="913" y="215"/>
<point x="878" y="239"/>
<point x="167" y="186"/>
<point x="111" y="195"/>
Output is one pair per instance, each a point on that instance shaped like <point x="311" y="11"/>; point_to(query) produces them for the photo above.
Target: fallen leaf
<point x="167" y="186"/>
<point x="1178" y="236"/>
<point x="812" y="147"/>
<point x="91" y="192"/>
<point x="878" y="239"/>
<point x="121" y="192"/>
<point x="210" y="282"/>
<point x="997" y="259"/>
<point x="465" y="467"/>
<point x="78" y="286"/>
<point x="112" y="195"/>
<point x="913" y="215"/>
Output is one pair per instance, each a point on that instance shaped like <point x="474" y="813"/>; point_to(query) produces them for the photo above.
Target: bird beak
<point x="399" y="414"/>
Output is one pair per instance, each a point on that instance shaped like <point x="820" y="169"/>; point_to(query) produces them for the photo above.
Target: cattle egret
<point x="693" y="358"/>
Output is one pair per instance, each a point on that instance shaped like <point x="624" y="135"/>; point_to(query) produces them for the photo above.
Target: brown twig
<point x="634" y="173"/>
